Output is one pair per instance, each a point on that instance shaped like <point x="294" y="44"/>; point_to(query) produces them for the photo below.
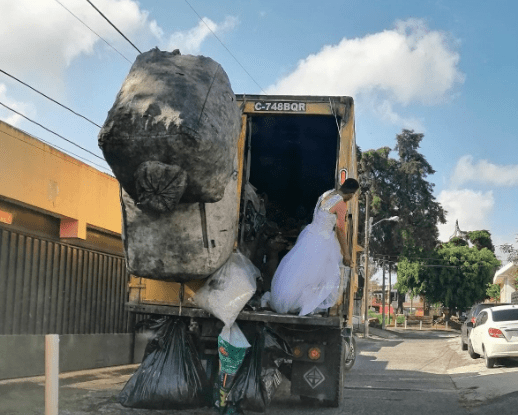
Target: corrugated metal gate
<point x="52" y="287"/>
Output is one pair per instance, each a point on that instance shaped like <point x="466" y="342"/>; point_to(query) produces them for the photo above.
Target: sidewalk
<point x="79" y="392"/>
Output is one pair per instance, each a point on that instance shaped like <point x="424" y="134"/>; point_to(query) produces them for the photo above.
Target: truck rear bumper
<point x="265" y="316"/>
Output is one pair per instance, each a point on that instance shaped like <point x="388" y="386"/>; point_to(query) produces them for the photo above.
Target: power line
<point x="228" y="50"/>
<point x="49" y="98"/>
<point x="115" y="27"/>
<point x="55" y="146"/>
<point x="50" y="131"/>
<point x="99" y="36"/>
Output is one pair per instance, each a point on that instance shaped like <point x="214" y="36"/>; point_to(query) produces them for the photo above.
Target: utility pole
<point x="383" y="297"/>
<point x="366" y="284"/>
<point x="390" y="292"/>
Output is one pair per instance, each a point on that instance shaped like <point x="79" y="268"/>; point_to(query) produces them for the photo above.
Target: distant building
<point x="505" y="278"/>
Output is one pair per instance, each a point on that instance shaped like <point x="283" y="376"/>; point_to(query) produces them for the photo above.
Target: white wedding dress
<point x="308" y="277"/>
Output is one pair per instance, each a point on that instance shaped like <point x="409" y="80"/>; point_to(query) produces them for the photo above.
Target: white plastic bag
<point x="234" y="336"/>
<point x="226" y="292"/>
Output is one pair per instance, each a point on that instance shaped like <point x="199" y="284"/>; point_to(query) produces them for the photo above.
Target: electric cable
<point x="50" y="131"/>
<point x="49" y="98"/>
<point x="99" y="36"/>
<point x="219" y="40"/>
<point x="115" y="27"/>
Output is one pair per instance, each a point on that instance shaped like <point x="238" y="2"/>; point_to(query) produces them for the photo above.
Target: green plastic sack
<point x="232" y="346"/>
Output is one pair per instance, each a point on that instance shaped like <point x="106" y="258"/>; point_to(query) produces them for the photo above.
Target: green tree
<point x="481" y="239"/>
<point x="400" y="187"/>
<point x="511" y="251"/>
<point x="493" y="292"/>
<point x="454" y="274"/>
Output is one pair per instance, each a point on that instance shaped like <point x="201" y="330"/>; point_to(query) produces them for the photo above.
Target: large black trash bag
<point x="171" y="375"/>
<point x="259" y="377"/>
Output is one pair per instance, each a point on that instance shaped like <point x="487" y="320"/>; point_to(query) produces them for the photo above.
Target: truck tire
<point x="349" y="361"/>
<point x="471" y="352"/>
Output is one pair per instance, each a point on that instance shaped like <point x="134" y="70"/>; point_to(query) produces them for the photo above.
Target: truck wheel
<point x="471" y="352"/>
<point x="349" y="362"/>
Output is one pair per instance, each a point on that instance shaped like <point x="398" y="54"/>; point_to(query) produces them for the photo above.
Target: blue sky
<point x="444" y="68"/>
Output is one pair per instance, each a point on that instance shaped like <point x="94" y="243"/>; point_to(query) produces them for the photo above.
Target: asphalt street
<point x="411" y="372"/>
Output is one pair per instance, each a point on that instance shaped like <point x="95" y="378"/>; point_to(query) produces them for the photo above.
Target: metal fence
<point x="52" y="287"/>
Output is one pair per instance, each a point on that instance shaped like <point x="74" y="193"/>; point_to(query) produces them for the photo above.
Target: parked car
<point x="494" y="334"/>
<point x="471" y="317"/>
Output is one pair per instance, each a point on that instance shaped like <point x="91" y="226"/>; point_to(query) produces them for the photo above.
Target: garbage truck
<point x="290" y="150"/>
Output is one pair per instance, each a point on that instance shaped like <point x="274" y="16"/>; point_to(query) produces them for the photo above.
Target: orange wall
<point x="40" y="176"/>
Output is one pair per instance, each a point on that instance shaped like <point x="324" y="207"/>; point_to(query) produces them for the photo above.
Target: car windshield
<point x="505" y="315"/>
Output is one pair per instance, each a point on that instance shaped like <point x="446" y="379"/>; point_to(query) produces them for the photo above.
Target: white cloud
<point x="408" y="64"/>
<point x="10" y="117"/>
<point x="190" y="41"/>
<point x="484" y="172"/>
<point x="385" y="111"/>
<point x="471" y="208"/>
<point x="40" y="38"/>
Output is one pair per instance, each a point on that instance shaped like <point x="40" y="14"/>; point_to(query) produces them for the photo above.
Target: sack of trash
<point x="226" y="292"/>
<point x="259" y="377"/>
<point x="171" y="375"/>
<point x="171" y="141"/>
<point x="189" y="243"/>
<point x="172" y="131"/>
<point x="232" y="347"/>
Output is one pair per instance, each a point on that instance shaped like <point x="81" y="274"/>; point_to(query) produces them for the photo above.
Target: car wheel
<point x="471" y="352"/>
<point x="463" y="346"/>
<point x="490" y="361"/>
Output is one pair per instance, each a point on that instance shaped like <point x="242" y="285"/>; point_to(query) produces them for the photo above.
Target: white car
<point x="494" y="334"/>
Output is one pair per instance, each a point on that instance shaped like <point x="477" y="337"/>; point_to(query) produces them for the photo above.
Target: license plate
<point x="280" y="106"/>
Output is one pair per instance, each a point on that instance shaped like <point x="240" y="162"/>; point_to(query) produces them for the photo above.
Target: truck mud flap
<point x="320" y="378"/>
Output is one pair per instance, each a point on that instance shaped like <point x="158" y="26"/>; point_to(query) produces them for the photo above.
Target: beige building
<point x="505" y="278"/>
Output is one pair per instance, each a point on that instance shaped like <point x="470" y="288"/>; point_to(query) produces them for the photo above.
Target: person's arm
<point x="340" y="209"/>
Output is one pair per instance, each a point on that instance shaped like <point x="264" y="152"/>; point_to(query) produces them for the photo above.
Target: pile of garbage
<point x="171" y="140"/>
<point x="171" y="375"/>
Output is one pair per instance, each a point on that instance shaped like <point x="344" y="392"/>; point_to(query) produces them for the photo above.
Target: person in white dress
<point x="308" y="277"/>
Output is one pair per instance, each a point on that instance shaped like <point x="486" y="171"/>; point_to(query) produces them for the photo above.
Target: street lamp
<point x="392" y="218"/>
<point x="368" y="228"/>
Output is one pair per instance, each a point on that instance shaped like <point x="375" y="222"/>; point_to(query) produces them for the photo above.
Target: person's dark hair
<point x="349" y="186"/>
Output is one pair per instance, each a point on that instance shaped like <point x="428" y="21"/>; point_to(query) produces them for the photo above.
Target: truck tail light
<point x="314" y="353"/>
<point x="343" y="176"/>
<point x="473" y="320"/>
<point x="297" y="351"/>
<point x="495" y="333"/>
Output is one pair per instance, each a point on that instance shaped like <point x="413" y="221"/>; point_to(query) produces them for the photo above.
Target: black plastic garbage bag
<point x="258" y="377"/>
<point x="171" y="375"/>
<point x="275" y="347"/>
